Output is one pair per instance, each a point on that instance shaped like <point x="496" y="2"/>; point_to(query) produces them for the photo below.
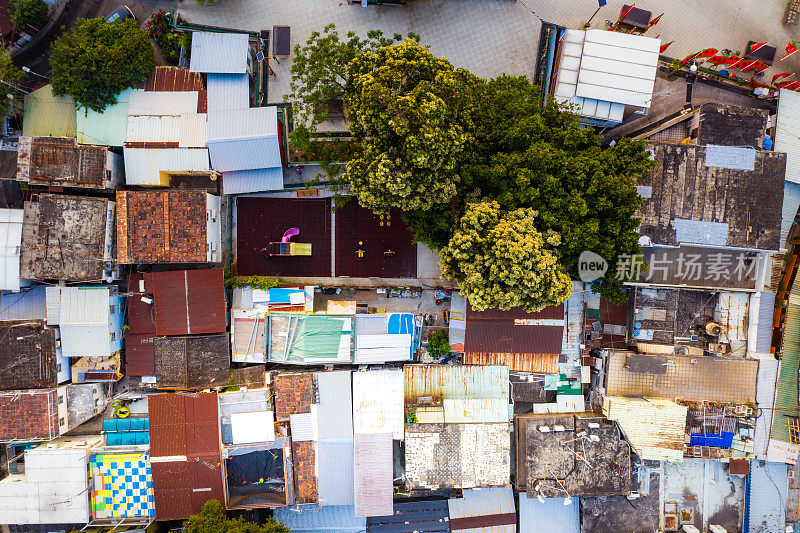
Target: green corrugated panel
<point x="318" y="337"/>
<point x="107" y="128"/>
<point x="786" y="394"/>
<point x="48" y="115"/>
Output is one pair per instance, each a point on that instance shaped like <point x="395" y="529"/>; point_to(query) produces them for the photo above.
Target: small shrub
<point x="438" y="344"/>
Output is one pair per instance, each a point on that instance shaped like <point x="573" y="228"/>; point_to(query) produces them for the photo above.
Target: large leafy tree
<point x="411" y="117"/>
<point x="212" y="519"/>
<point x="319" y="74"/>
<point x="98" y="59"/>
<point x="538" y="157"/>
<point x="10" y="76"/>
<point x="29" y="15"/>
<point x="500" y="259"/>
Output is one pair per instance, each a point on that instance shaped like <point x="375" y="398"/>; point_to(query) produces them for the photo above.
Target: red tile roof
<point x="184" y="427"/>
<point x="29" y="414"/>
<point x="294" y="394"/>
<point x="161" y="227"/>
<point x="187" y="302"/>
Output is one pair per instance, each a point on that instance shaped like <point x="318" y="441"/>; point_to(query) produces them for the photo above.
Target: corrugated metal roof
<point x="82" y="305"/>
<point x="83" y="316"/>
<point x="228" y="91"/>
<point x="447" y="381"/>
<point x="378" y="405"/>
<point x="766" y="382"/>
<point x="48" y="115"/>
<point x="106" y="128"/>
<point x="244" y="139"/>
<point x="162" y="103"/>
<point x="373" y="474"/>
<point x="10" y="243"/>
<point x="786" y="401"/>
<point x="335" y="407"/>
<point x="552" y="516"/>
<point x="314" y="518"/>
<point x="219" y="53"/>
<point x="184" y="425"/>
<point x="655" y="427"/>
<point x="188" y="302"/>
<point x="335" y="472"/>
<point x="787" y="132"/>
<point x="486" y="510"/>
<point x="193" y="130"/>
<point x="153" y="128"/>
<point x="791" y="203"/>
<point x="618" y="67"/>
<point x="247" y="181"/>
<point x="520" y="362"/>
<point x="763" y="331"/>
<point x="143" y="166"/>
<point x="28" y="304"/>
<point x="429" y="516"/>
<point x="172" y="79"/>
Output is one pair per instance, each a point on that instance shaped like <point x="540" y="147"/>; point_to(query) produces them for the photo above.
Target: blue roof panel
<point x="327" y="518"/>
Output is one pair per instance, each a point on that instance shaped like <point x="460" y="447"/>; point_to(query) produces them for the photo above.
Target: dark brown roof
<point x="184" y="425"/>
<point x="294" y="394"/>
<point x="739" y="467"/>
<point x="743" y="206"/>
<point x="495" y="337"/>
<point x="192" y="362"/>
<point x="187" y="302"/>
<point x="6" y="26"/>
<point x="27" y="355"/>
<point x="728" y="125"/>
<point x="260" y="221"/>
<point x="63" y="237"/>
<point x="141" y="315"/>
<point x="161" y="226"/>
<point x="139" y="355"/>
<point x="60" y="161"/>
<point x="8" y="164"/>
<point x="28" y="414"/>
<point x="172" y="79"/>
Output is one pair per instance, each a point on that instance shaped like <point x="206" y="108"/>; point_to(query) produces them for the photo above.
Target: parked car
<point x="121" y="13"/>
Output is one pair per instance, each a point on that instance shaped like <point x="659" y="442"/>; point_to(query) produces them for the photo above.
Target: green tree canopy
<point x="538" y="157"/>
<point x="319" y="73"/>
<point x="502" y="260"/>
<point x="29" y="15"/>
<point x="411" y="117"/>
<point x="98" y="59"/>
<point x="11" y="76"/>
<point x="212" y="519"/>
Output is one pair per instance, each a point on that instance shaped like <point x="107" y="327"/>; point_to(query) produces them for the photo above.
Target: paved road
<point x="37" y="58"/>
<point x="490" y="37"/>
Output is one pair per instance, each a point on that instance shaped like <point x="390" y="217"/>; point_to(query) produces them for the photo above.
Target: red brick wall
<point x="305" y="477"/>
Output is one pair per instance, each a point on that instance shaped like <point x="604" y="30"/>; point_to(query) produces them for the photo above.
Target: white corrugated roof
<point x="654" y="427"/>
<point x="144" y="165"/>
<point x="162" y="102"/>
<point x="552" y="516"/>
<point x="618" y="67"/>
<point x="228" y="91"/>
<point x="10" y="243"/>
<point x="153" y="128"/>
<point x="244" y="139"/>
<point x="484" y="502"/>
<point x="378" y="405"/>
<point x="82" y="313"/>
<point x="219" y="53"/>
<point x="192" y="130"/>
<point x="248" y="123"/>
<point x="335" y="407"/>
<point x="787" y="132"/>
<point x="258" y="180"/>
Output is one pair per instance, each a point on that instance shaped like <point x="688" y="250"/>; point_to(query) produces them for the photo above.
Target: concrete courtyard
<point x="492" y="37"/>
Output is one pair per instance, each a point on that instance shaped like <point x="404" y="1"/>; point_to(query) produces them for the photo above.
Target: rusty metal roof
<point x="188" y="302"/>
<point x="447" y="381"/>
<point x="60" y="161"/>
<point x="185" y="429"/>
<point x="172" y="79"/>
<point x="527" y="342"/>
